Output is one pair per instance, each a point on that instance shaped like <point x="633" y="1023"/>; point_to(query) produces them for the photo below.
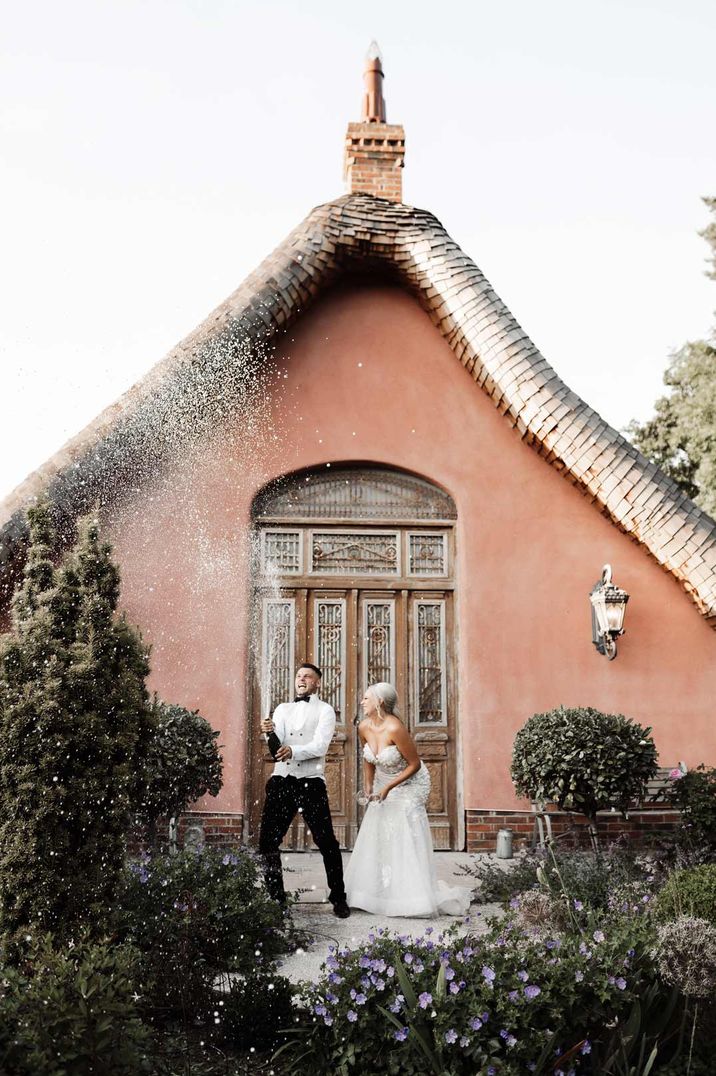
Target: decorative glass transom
<point x="366" y="494"/>
<point x="340" y="553"/>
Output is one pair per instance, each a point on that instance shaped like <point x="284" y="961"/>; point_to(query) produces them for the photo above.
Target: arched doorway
<point x="355" y="572"/>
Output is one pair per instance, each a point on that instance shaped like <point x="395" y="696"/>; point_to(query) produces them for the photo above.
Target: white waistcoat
<point x="307" y="728"/>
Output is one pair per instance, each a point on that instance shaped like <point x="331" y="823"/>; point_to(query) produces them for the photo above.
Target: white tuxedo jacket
<point x="307" y="728"/>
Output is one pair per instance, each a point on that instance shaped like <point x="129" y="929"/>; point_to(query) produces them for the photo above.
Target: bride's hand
<point x="380" y="797"/>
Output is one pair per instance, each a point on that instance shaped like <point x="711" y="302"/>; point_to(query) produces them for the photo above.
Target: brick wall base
<point x="481" y="827"/>
<point x="196" y="828"/>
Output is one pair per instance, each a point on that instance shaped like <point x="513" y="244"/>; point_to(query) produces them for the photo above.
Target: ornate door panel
<point x="354" y="573"/>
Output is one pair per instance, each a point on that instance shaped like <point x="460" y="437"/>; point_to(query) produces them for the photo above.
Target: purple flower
<point x="230" y="859"/>
<point x="401" y="1034"/>
<point x="449" y="974"/>
<point x="454" y="988"/>
<point x="491" y="1070"/>
<point x="578" y="905"/>
<point x="513" y="995"/>
<point x="579" y="976"/>
<point x="143" y="874"/>
<point x="451" y="1036"/>
<point x="396" y="1006"/>
<point x="331" y="962"/>
<point x="320" y="1010"/>
<point x="380" y="984"/>
<point x="598" y="935"/>
<point x="425" y="999"/>
<point x="360" y="999"/>
<point x="352" y="1016"/>
<point x="390" y="972"/>
<point x="621" y="983"/>
<point x="586" y="1047"/>
<point x="464" y="1041"/>
<point x="335" y="979"/>
<point x="365" y="962"/>
<point x="522" y="976"/>
<point x="476" y="1023"/>
<point x="408" y="958"/>
<point x="331" y="998"/>
<point x="532" y="992"/>
<point x="328" y="1019"/>
<point x="510" y="1040"/>
<point x="488" y="974"/>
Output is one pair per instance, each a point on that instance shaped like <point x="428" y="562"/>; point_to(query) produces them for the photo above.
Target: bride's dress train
<point x="391" y="869"/>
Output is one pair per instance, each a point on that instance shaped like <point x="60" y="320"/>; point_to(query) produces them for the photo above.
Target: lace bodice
<point x="387" y="763"/>
<point x="389" y="760"/>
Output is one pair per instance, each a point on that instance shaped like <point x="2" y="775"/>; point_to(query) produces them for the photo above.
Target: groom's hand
<point x="283" y="754"/>
<point x="266" y="724"/>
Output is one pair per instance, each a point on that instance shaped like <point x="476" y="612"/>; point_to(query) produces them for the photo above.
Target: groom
<point x="298" y="738"/>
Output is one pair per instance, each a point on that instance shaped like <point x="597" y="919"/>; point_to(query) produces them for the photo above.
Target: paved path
<point x="303" y="874"/>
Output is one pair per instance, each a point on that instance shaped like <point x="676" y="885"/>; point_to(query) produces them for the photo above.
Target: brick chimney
<point x="375" y="150"/>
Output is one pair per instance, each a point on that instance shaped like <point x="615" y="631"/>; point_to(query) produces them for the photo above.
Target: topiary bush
<point x="72" y="1009"/>
<point x="182" y="763"/>
<point x="583" y="760"/>
<point x="689" y="892"/>
<point x="194" y="916"/>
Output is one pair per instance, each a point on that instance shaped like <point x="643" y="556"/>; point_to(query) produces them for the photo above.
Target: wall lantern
<point x="608" y="608"/>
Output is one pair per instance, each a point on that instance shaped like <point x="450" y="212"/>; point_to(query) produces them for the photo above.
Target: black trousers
<point x="284" y="797"/>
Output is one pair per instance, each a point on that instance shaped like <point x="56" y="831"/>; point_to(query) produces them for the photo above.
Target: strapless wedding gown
<point x="391" y="869"/>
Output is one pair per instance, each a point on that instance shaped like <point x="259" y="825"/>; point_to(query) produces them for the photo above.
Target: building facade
<point x="361" y="460"/>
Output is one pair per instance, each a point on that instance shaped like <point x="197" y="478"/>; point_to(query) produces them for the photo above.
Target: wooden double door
<point x="360" y="635"/>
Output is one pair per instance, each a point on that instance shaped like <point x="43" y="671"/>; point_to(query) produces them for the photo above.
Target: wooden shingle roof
<point x="180" y="397"/>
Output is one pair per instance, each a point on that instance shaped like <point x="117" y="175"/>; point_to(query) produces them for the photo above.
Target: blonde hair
<point x="386" y="697"/>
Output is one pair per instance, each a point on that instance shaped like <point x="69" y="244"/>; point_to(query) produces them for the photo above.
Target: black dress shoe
<point x="341" y="909"/>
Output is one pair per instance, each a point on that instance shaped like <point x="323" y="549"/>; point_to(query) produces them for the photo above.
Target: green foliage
<point x="694" y="795"/>
<point x="71" y="1010"/>
<point x="583" y="760"/>
<point x="589" y="877"/>
<point x="681" y="435"/>
<point x="182" y="763"/>
<point x="510" y="999"/>
<point x="75" y="722"/>
<point x="688" y="892"/>
<point x="194" y="916"/>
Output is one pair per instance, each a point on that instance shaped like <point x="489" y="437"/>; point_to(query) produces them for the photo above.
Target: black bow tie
<point x="302" y="698"/>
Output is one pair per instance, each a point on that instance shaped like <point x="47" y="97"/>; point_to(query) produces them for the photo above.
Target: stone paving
<point x="303" y="873"/>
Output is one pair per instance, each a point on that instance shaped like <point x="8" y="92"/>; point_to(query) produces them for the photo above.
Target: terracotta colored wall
<point x="369" y="378"/>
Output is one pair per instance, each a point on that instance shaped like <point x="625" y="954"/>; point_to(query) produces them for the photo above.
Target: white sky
<point x="154" y="151"/>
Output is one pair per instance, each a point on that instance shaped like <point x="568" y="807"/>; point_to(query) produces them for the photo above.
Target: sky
<point x="155" y="151"/>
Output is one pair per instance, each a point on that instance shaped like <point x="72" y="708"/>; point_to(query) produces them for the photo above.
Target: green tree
<point x="681" y="435"/>
<point x="75" y="722"/>
<point x="583" y="760"/>
<point x="182" y="764"/>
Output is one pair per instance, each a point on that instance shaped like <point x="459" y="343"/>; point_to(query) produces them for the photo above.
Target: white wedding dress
<point x="391" y="869"/>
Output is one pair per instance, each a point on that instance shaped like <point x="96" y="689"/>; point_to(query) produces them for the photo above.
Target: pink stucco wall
<point x="365" y="376"/>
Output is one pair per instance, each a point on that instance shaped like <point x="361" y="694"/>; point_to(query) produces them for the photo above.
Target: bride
<point x="391" y="870"/>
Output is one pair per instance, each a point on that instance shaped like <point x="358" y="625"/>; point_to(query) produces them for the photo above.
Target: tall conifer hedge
<point x="75" y="721"/>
